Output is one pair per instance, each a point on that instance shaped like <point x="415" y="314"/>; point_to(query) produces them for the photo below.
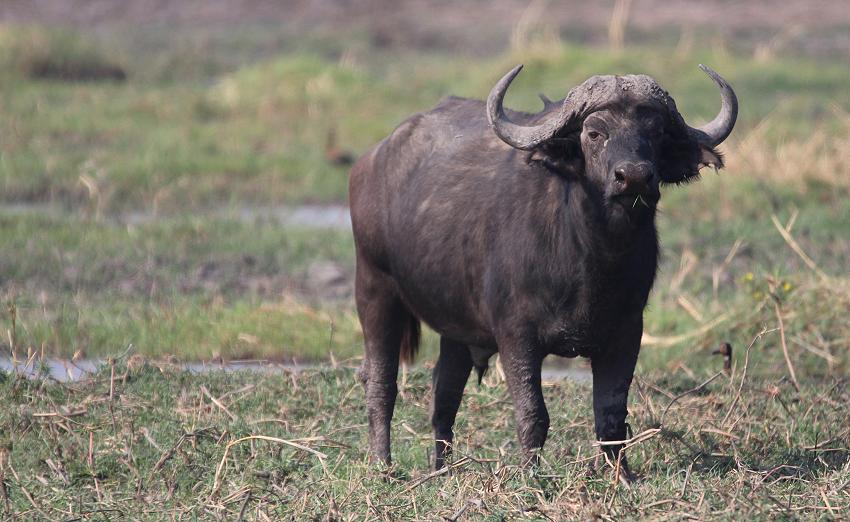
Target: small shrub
<point x="60" y="56"/>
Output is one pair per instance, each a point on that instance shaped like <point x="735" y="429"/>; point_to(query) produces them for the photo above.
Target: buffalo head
<point x="626" y="135"/>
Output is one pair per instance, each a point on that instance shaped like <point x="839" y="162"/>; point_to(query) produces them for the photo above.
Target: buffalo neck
<point x="583" y="228"/>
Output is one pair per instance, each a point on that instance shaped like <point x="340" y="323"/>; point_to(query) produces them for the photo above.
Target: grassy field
<point x="191" y="149"/>
<point x="195" y="288"/>
<point x="256" y="135"/>
<point x="124" y="235"/>
<point x="147" y="442"/>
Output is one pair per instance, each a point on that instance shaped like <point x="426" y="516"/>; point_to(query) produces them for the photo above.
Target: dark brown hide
<point x="547" y="246"/>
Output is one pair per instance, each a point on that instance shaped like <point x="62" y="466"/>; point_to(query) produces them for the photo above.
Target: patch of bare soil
<point x="441" y="13"/>
<point x="474" y="25"/>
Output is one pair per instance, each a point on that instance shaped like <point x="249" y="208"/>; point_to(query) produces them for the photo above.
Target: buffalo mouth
<point x="637" y="201"/>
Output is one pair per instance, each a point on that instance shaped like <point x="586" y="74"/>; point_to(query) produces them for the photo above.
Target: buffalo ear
<point x="560" y="154"/>
<point x="710" y="156"/>
<point x="683" y="159"/>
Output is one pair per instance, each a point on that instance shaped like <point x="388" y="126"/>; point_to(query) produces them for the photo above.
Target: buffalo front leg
<point x="383" y="318"/>
<point x="612" y="376"/>
<point x="448" y="380"/>
<point x="522" y="371"/>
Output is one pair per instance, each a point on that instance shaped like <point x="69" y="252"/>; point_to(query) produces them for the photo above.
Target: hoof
<point x="626" y="477"/>
<point x="623" y="473"/>
<point x="531" y="459"/>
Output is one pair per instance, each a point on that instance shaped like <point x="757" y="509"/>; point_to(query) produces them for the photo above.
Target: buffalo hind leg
<point x="612" y="378"/>
<point x="383" y="317"/>
<point x="522" y="367"/>
<point x="448" y="380"/>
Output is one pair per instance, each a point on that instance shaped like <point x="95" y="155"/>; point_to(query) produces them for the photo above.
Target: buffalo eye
<point x="653" y="125"/>
<point x="593" y="135"/>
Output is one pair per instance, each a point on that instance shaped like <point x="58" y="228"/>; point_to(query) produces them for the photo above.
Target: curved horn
<point x="519" y="136"/>
<point x="714" y="132"/>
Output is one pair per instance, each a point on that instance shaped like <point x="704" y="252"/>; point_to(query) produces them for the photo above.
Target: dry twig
<point x="791" y="371"/>
<point x="220" y="469"/>
<point x="786" y="235"/>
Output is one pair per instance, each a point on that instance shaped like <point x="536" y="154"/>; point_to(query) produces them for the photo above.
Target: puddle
<point x="310" y="216"/>
<point x="64" y="370"/>
<point x="319" y="216"/>
<point x="61" y="370"/>
<point x="32" y="209"/>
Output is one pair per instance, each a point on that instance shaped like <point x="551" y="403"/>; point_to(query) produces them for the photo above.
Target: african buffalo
<point x="522" y="234"/>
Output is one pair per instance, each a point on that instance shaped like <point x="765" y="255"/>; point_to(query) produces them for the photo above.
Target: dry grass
<point x="149" y="442"/>
<point x="816" y="160"/>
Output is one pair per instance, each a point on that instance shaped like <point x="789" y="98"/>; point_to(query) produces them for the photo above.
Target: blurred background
<point x="174" y="173"/>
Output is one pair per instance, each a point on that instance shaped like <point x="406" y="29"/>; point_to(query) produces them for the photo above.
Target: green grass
<point x="701" y="224"/>
<point x="150" y="443"/>
<point x="190" y="287"/>
<point x="192" y="255"/>
<point x="188" y="328"/>
<point x="190" y="282"/>
<point x="256" y="135"/>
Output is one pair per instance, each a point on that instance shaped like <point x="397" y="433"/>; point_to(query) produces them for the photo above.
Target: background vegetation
<point x="152" y="169"/>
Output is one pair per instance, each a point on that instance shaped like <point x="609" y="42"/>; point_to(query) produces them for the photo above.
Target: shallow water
<point x="310" y="216"/>
<point x="319" y="216"/>
<point x="64" y="370"/>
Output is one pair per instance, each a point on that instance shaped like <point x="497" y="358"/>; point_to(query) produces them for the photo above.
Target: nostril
<point x="620" y="175"/>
